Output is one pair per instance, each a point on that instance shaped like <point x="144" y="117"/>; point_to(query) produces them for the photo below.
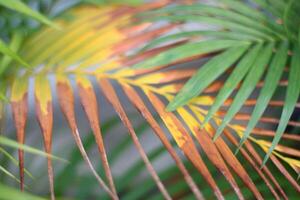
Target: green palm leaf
<point x="237" y="75"/>
<point x="206" y="75"/>
<point x="188" y="50"/>
<point x="11" y="193"/>
<point x="247" y="87"/>
<point x="9" y="52"/>
<point x="274" y="74"/>
<point x="19" y="6"/>
<point x="292" y="95"/>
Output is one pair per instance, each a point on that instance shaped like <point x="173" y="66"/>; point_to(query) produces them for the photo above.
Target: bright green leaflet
<point x="8" y="193"/>
<point x="14" y="161"/>
<point x="9" y="174"/>
<point x="224" y="14"/>
<point x="299" y="37"/>
<point x="269" y="7"/>
<point x="206" y="75"/>
<point x="11" y="143"/>
<point x="233" y="26"/>
<point x="232" y="81"/>
<point x="14" y="45"/>
<point x="291" y="19"/>
<point x="293" y="91"/>
<point x="188" y="50"/>
<point x="19" y="6"/>
<point x="271" y="81"/>
<point x="254" y="14"/>
<point x="183" y="35"/>
<point x="247" y="87"/>
<point x="7" y="51"/>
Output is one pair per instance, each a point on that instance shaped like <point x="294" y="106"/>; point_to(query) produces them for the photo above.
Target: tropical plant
<point x="216" y="74"/>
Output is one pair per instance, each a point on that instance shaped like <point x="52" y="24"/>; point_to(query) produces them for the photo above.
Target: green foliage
<point x="19" y="6"/>
<point x="13" y="144"/>
<point x="244" y="43"/>
<point x="258" y="22"/>
<point x="8" y="193"/>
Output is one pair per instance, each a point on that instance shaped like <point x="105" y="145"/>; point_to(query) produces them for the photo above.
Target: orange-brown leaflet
<point x="113" y="99"/>
<point x="264" y="132"/>
<point x="129" y="61"/>
<point x="251" y="161"/>
<point x="285" y="172"/>
<point x="46" y="121"/>
<point x="153" y="5"/>
<point x="246" y="117"/>
<point x="172" y="75"/>
<point x="89" y="103"/>
<point x="281" y="83"/>
<point x="287" y="150"/>
<point x="138" y="103"/>
<point x="131" y="30"/>
<point x="188" y="147"/>
<point x="114" y="15"/>
<point x="234" y="163"/>
<point x="133" y="41"/>
<point x="265" y="169"/>
<point x="253" y="102"/>
<point x="213" y="154"/>
<point x="19" y="110"/>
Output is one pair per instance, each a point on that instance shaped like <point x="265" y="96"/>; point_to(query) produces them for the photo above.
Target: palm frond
<point x="101" y="42"/>
<point x="259" y="22"/>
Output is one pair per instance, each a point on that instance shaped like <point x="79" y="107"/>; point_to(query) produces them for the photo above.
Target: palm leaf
<point x="11" y="193"/>
<point x="237" y="75"/>
<point x="274" y="74"/>
<point x="293" y="92"/>
<point x="4" y="49"/>
<point x="237" y="18"/>
<point x="212" y="69"/>
<point x="247" y="87"/>
<point x="99" y="42"/>
<point x="19" y="6"/>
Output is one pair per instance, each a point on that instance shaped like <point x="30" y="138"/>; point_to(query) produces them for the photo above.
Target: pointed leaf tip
<point x="248" y="85"/>
<point x="44" y="113"/>
<point x="273" y="76"/>
<point x="19" y="105"/>
<point x="292" y="95"/>
<point x="233" y="80"/>
<point x="208" y="73"/>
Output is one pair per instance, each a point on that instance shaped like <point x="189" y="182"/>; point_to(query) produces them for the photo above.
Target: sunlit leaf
<point x="112" y="98"/>
<point x="138" y="103"/>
